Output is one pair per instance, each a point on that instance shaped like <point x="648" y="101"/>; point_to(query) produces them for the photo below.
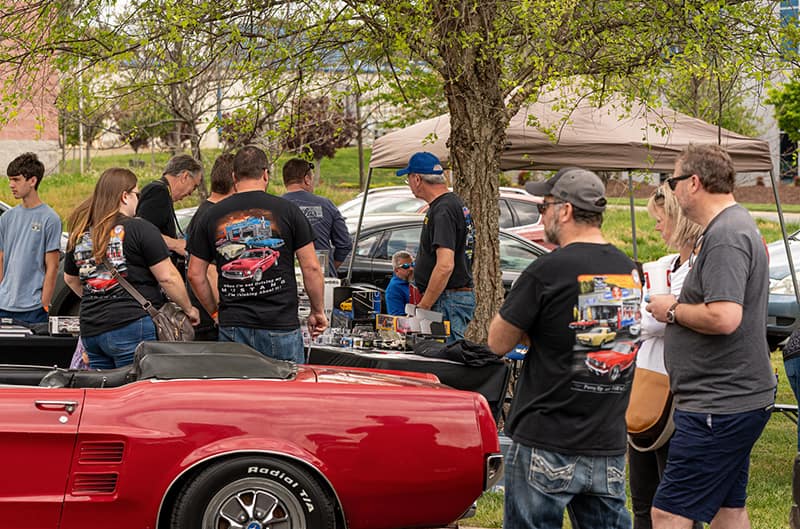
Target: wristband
<point x="214" y="315"/>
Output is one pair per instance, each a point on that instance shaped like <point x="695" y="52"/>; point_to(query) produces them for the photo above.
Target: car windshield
<point x="514" y="256"/>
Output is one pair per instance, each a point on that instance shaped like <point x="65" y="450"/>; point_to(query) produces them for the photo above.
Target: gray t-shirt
<point x="718" y="373"/>
<point x="26" y="234"/>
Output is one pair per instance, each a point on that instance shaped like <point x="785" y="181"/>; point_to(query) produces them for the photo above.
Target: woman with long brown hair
<point x="105" y="235"/>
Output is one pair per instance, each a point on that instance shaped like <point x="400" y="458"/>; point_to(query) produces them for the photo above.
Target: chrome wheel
<point x="253" y="503"/>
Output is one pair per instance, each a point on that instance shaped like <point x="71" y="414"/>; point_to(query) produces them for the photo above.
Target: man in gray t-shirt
<point x="715" y="350"/>
<point x="30" y="240"/>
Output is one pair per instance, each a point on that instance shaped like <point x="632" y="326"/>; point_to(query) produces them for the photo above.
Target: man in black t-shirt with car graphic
<point x="253" y="237"/>
<point x="578" y="309"/>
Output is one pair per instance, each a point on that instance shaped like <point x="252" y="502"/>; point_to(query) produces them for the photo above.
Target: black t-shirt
<point x="572" y="393"/>
<point x="206" y="322"/>
<point x="448" y="224"/>
<point x="252" y="237"/>
<point x="155" y="206"/>
<point x="135" y="245"/>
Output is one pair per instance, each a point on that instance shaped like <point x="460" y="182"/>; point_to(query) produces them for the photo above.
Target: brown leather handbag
<point x="649" y="413"/>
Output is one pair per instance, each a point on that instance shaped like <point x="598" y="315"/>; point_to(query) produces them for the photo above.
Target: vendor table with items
<point x="490" y="380"/>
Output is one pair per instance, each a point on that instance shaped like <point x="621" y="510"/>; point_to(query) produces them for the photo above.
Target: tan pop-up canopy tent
<point x="615" y="136"/>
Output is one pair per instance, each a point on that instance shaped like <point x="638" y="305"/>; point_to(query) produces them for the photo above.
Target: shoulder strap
<point x="146" y="305"/>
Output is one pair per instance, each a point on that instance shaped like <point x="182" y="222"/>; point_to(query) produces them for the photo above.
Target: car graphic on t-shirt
<point x="251" y="264"/>
<point x="614" y="361"/>
<point x="596" y="336"/>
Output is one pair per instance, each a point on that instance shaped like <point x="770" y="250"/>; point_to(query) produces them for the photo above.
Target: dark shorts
<point x="709" y="462"/>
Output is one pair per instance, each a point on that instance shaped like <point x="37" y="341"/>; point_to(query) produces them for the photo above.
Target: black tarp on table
<point x="490" y="381"/>
<point x="38" y="350"/>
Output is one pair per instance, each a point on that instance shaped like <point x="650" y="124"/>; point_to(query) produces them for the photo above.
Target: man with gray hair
<point x="398" y="291"/>
<point x="443" y="271"/>
<point x="181" y="177"/>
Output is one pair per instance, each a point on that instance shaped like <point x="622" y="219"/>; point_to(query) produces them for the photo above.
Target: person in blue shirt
<point x="398" y="289"/>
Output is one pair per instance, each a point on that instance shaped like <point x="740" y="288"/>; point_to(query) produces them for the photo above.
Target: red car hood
<point x="242" y="264"/>
<point x="605" y="356"/>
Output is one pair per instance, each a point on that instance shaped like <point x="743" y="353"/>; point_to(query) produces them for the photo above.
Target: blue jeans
<point x="29" y="316"/>
<point x="792" y="366"/>
<point x="277" y="344"/>
<point x="457" y="307"/>
<point x="541" y="484"/>
<point x="115" y="348"/>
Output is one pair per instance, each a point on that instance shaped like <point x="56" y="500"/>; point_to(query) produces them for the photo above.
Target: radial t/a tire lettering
<point x="253" y="493"/>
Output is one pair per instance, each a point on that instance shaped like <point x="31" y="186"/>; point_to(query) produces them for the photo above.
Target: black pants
<point x="645" y="471"/>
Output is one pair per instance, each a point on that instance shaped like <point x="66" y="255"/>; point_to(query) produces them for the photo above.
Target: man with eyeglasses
<point x="181" y="177"/>
<point x="715" y="350"/>
<point x="330" y="230"/>
<point x="567" y="419"/>
<point x="398" y="291"/>
<point x="443" y="271"/>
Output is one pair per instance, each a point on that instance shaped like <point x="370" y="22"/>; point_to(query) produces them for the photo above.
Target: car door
<point x="37" y="436"/>
<point x="395" y="239"/>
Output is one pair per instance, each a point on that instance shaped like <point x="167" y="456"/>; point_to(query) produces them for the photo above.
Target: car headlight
<point x="782" y="286"/>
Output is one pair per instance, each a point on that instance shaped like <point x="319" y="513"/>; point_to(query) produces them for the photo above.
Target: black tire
<point x="272" y="493"/>
<point x="615" y="371"/>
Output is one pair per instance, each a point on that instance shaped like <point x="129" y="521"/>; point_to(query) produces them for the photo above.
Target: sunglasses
<point x="137" y="193"/>
<point x="673" y="182"/>
<point x="544" y="205"/>
<point x="406" y="266"/>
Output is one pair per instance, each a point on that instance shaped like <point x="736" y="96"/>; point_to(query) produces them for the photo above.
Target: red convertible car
<point x="252" y="263"/>
<point x="217" y="436"/>
<point x="612" y="361"/>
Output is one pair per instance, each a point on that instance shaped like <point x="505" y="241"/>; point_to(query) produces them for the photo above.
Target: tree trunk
<point x="478" y="119"/>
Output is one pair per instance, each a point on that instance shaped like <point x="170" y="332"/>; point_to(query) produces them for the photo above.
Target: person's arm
<point x="177" y="246"/>
<point x="201" y="286"/>
<point x="50" y="276"/>
<point x="340" y="238"/>
<point x="74" y="283"/>
<point x="718" y="317"/>
<point x="503" y="336"/>
<point x="170" y="280"/>
<point x="440" y="275"/>
<point x="315" y="288"/>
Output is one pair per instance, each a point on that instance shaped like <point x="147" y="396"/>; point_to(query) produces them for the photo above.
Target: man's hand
<point x="194" y="316"/>
<point x="659" y="304"/>
<point x="317" y="323"/>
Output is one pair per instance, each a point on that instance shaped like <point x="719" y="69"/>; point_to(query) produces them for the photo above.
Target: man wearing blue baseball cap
<point x="443" y="271"/>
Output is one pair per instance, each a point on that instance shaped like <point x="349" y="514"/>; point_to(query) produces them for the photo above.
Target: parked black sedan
<point x="383" y="235"/>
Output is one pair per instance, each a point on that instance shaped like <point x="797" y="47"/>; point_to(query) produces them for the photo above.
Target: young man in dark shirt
<point x="221" y="188"/>
<point x="329" y="226"/>
<point x="253" y="237"/>
<point x="443" y="272"/>
<point x="567" y="420"/>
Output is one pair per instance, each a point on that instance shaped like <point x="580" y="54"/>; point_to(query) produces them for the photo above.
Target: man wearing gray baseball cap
<point x="569" y="405"/>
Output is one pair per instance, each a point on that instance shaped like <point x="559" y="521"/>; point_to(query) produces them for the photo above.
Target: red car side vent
<point x="86" y="484"/>
<point x="101" y="452"/>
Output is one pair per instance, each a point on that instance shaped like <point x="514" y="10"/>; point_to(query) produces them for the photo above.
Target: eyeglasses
<point x="673" y="182"/>
<point x="544" y="205"/>
<point x="406" y="266"/>
<point x="137" y="193"/>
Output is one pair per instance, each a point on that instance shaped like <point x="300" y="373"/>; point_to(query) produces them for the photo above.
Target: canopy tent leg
<point x="633" y="215"/>
<point x="782" y="222"/>
<point x="346" y="281"/>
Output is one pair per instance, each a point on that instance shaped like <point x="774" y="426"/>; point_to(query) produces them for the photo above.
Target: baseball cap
<point x="422" y="163"/>
<point x="580" y="187"/>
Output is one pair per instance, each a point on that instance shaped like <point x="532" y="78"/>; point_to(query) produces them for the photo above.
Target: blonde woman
<point x="105" y="234"/>
<point x="681" y="234"/>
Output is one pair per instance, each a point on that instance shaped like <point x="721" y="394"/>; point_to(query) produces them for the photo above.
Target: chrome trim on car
<point x="493" y="471"/>
<point x="305" y="464"/>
